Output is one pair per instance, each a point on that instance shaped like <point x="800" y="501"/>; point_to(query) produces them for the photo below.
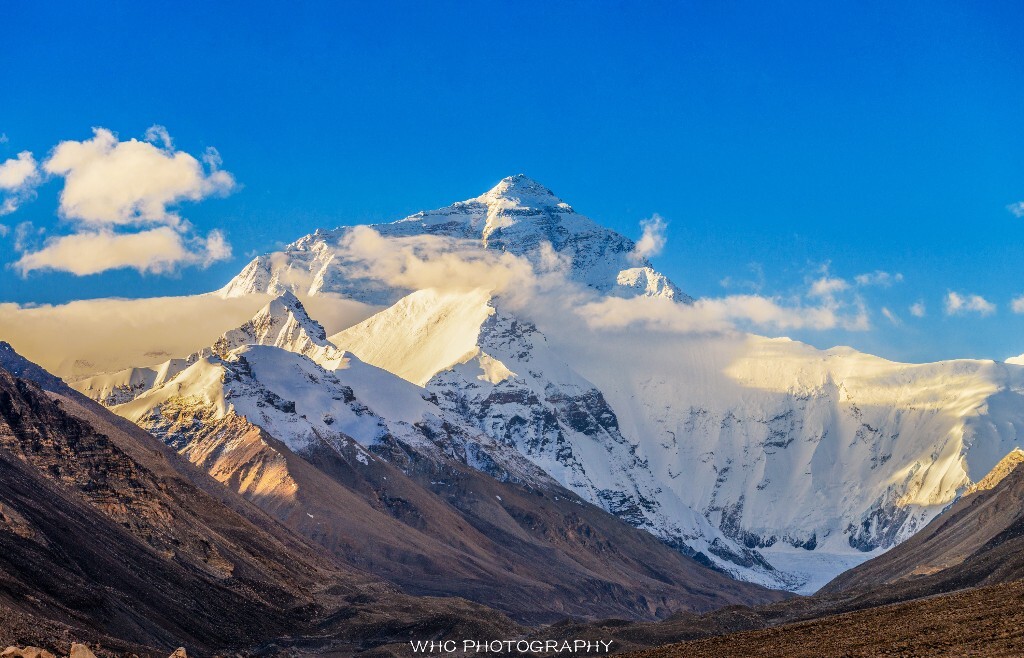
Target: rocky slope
<point x="986" y="622"/>
<point x="952" y="589"/>
<point x="107" y="536"/>
<point x="372" y="468"/>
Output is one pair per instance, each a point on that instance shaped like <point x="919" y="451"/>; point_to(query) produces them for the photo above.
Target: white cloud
<point x="18" y="179"/>
<point x="878" y="278"/>
<point x="110" y="182"/>
<point x="215" y="248"/>
<point x="652" y="239"/>
<point x="4" y="230"/>
<point x="3" y="138"/>
<point x="15" y="172"/>
<point x="1016" y="208"/>
<point x="427" y="261"/>
<point x="119" y="196"/>
<point x="917" y="309"/>
<point x="957" y="304"/>
<point x="1017" y="305"/>
<point x="157" y="251"/>
<point x="827" y="286"/>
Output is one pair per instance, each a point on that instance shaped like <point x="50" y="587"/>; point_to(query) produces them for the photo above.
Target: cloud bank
<point x="425" y="261"/>
<point x="155" y="251"/>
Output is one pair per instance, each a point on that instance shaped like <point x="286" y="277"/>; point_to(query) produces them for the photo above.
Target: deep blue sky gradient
<point x="780" y="136"/>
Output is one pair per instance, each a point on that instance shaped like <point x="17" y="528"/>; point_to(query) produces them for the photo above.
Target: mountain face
<point x="370" y="467"/>
<point x="108" y="536"/>
<point x="768" y="459"/>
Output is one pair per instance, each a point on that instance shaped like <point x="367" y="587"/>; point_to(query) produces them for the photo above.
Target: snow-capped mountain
<point x="518" y="216"/>
<point x="264" y="371"/>
<point x="772" y="460"/>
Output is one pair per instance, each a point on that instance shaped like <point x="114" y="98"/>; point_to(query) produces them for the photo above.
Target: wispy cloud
<point x="918" y="310"/>
<point x="828" y="286"/>
<point x="652" y="239"/>
<point x="957" y="304"/>
<point x="878" y="278"/>
<point x="1016" y="208"/>
<point x="755" y="284"/>
<point x="1017" y="304"/>
<point x="25" y="234"/>
<point x="891" y="317"/>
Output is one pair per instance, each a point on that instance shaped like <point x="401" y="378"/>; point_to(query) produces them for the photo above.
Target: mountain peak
<point x="287" y="304"/>
<point x="521" y="190"/>
<point x="283" y="322"/>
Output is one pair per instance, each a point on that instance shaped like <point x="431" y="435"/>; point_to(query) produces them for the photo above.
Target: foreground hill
<point x="984" y="622"/>
<point x="108" y="536"/>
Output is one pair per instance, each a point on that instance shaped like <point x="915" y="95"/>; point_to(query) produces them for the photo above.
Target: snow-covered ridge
<point x="279" y="372"/>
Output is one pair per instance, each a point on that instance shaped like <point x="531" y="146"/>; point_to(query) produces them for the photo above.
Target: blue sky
<point x="779" y="142"/>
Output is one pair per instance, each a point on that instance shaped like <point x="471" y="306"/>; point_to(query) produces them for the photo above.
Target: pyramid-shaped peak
<point x="286" y="308"/>
<point x="284" y="303"/>
<point x="522" y="190"/>
<point x="283" y="323"/>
